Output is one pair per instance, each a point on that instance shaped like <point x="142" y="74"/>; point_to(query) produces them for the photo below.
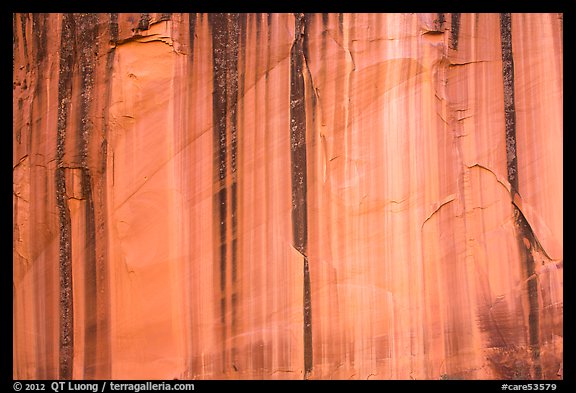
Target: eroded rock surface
<point x="288" y="196"/>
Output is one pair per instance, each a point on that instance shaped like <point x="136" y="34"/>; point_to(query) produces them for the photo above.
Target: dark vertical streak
<point x="14" y="41"/>
<point x="298" y="170"/>
<point x="242" y="48"/>
<point x="39" y="30"/>
<point x="307" y="321"/>
<point x="113" y="28"/>
<point x="222" y="234"/>
<point x="192" y="30"/>
<point x="219" y="28"/>
<point x="439" y="22"/>
<point x="476" y="22"/>
<point x="325" y="18"/>
<point x="191" y="362"/>
<point x="232" y="91"/>
<point x="144" y="22"/>
<point x="23" y="19"/>
<point x="102" y="283"/>
<point x="523" y="230"/>
<point x="298" y="139"/>
<point x="268" y="28"/>
<point x="234" y="253"/>
<point x="258" y="18"/>
<point x="219" y="96"/>
<point x="238" y="49"/>
<point x="509" y="108"/>
<point x="455" y="30"/>
<point x="234" y="212"/>
<point x="561" y="18"/>
<point x="38" y="60"/>
<point x="225" y="38"/>
<point x="525" y="233"/>
<point x="91" y="297"/>
<point x="65" y="260"/>
<point x="87" y="32"/>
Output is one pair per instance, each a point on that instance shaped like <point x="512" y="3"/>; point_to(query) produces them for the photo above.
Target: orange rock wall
<point x="287" y="196"/>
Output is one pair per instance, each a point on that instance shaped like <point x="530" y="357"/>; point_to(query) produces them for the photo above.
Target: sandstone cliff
<point x="287" y="196"/>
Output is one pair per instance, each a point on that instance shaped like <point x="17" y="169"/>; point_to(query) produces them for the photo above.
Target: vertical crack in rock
<point x="298" y="170"/>
<point x="525" y="236"/>
<point x="87" y="44"/>
<point x="65" y="261"/>
<point x="455" y="30"/>
<point x="225" y="49"/>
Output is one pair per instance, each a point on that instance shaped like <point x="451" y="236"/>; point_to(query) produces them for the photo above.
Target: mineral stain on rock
<point x="65" y="257"/>
<point x="299" y="173"/>
<point x="525" y="235"/>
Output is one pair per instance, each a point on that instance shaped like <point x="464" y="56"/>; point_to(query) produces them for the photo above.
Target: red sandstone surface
<point x="287" y="196"/>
